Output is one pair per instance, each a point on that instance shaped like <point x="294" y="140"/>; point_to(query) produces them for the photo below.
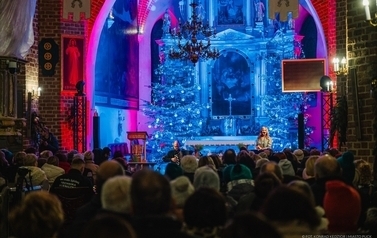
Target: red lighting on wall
<point x="143" y="11"/>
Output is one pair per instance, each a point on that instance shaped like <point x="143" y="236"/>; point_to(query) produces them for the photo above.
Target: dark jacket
<point x="158" y="227"/>
<point x="72" y="179"/>
<point x="52" y="144"/>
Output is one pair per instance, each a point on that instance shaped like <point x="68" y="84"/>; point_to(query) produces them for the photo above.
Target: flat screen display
<point x="302" y="75"/>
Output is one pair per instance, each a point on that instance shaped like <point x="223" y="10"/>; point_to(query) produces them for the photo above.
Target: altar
<point x="218" y="144"/>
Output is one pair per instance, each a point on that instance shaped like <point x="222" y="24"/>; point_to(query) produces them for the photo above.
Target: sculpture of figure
<point x="166" y="23"/>
<point x="259" y="11"/>
<point x="181" y="6"/>
<point x="200" y="11"/>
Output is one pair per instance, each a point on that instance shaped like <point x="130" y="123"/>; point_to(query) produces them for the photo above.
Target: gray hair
<point x="115" y="194"/>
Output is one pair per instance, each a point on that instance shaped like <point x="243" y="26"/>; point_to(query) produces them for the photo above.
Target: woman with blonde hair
<point x="264" y="141"/>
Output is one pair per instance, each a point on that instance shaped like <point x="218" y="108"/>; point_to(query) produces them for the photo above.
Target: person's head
<point x="206" y="177"/>
<point x="272" y="167"/>
<point x="45" y="132"/>
<point x="299" y="154"/>
<point x="240" y="171"/>
<point x="106" y="225"/>
<point x="216" y="160"/>
<point x="309" y="165"/>
<point x="342" y="204"/>
<point x="206" y="160"/>
<point x="261" y="162"/>
<point x="3" y="161"/>
<point x="61" y="156"/>
<point x="176" y="145"/>
<point x="116" y="196"/>
<point x="250" y="225"/>
<point x="53" y="160"/>
<point x="205" y="208"/>
<point x="30" y="150"/>
<point x="78" y="163"/>
<point x="326" y="166"/>
<point x="106" y="152"/>
<point x="89" y="156"/>
<point x="229" y="156"/>
<point x="118" y="154"/>
<point x="265" y="183"/>
<point x="150" y="193"/>
<point x="19" y="158"/>
<point x="263" y="132"/>
<point x="39" y="215"/>
<point x="285" y="204"/>
<point x="181" y="189"/>
<point x="189" y="164"/>
<point x="45" y="154"/>
<point x="70" y="155"/>
<point x="106" y="170"/>
<point x="173" y="171"/>
<point x="303" y="187"/>
<point x="30" y="160"/>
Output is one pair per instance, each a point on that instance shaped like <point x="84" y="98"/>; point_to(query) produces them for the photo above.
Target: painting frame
<point x="225" y="17"/>
<point x="72" y="61"/>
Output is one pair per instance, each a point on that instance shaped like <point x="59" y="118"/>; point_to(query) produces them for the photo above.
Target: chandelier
<point x="193" y="39"/>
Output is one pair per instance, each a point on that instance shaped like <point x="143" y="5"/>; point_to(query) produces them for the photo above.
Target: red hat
<point x="342" y="206"/>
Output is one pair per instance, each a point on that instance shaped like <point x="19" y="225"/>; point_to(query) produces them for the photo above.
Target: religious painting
<point x="231" y="88"/>
<point x="230" y="12"/>
<point x="72" y="59"/>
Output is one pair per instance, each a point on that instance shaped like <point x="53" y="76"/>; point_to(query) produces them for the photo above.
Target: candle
<point x="367" y="11"/>
<point x="336" y="64"/>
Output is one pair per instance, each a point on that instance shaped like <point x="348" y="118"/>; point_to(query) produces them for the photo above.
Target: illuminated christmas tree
<point x="174" y="111"/>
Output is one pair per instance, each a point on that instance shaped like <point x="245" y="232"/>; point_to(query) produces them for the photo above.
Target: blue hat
<point x="348" y="167"/>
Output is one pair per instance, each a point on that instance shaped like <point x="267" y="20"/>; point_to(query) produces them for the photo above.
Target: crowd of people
<point x="255" y="193"/>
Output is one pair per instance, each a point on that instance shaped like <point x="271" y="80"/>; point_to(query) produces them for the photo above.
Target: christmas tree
<point x="174" y="112"/>
<point x="282" y="108"/>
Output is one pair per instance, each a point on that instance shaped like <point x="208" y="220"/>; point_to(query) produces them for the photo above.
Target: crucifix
<point x="230" y="99"/>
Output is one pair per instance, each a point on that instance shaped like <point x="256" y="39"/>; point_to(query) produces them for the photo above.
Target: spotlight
<point x="80" y="88"/>
<point x="326" y="84"/>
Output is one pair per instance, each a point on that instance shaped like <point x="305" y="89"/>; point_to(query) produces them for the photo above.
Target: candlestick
<point x="367" y="11"/>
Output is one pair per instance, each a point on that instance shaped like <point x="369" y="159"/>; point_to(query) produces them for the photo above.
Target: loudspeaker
<point x="96" y="132"/>
<point x="301" y="131"/>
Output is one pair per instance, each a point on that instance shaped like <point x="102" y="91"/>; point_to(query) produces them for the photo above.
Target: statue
<point x="259" y="11"/>
<point x="166" y="23"/>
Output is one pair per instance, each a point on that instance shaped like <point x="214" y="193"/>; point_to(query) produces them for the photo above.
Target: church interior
<point x="95" y="73"/>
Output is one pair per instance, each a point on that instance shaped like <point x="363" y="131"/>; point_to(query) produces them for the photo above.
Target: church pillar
<point x="189" y="10"/>
<point x="249" y="28"/>
<point x="211" y="13"/>
<point x="204" y="83"/>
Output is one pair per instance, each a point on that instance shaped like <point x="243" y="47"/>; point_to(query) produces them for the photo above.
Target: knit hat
<point x="181" y="190"/>
<point x="173" y="171"/>
<point x="287" y="167"/>
<point x="348" y="167"/>
<point x="206" y="177"/>
<point x="342" y="205"/>
<point x="240" y="171"/>
<point x="299" y="154"/>
<point x="189" y="163"/>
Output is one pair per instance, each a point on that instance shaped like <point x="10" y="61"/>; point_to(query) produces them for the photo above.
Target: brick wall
<point x="53" y="103"/>
<point x="359" y="40"/>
